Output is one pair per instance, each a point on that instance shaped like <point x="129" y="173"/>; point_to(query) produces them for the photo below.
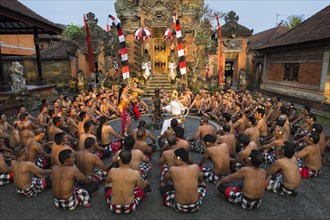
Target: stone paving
<point x="312" y="201"/>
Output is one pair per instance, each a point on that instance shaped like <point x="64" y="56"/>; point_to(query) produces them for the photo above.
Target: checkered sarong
<point x="38" y="185"/>
<point x="42" y="163"/>
<point x="169" y="200"/>
<point x="307" y="172"/>
<point x="236" y="197"/>
<point x="114" y="146"/>
<point x="236" y="166"/>
<point x="6" y="178"/>
<point x="163" y="170"/>
<point x="276" y="186"/>
<point x="270" y="157"/>
<point x="98" y="175"/>
<point x="145" y="169"/>
<point x="209" y="175"/>
<point x="118" y="209"/>
<point x="79" y="197"/>
<point x="197" y="147"/>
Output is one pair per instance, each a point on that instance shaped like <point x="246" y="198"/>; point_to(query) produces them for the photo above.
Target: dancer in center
<point x="123" y="101"/>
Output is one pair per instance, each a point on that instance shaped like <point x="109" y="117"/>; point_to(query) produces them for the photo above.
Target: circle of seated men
<point x="260" y="142"/>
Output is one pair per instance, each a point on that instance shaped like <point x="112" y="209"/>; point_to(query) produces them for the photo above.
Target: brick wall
<point x="310" y="74"/>
<point x="275" y="72"/>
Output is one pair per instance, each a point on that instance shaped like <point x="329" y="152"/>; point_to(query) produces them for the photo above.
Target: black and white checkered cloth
<point x="196" y="146"/>
<point x="163" y="170"/>
<point x="209" y="175"/>
<point x="145" y="169"/>
<point x="79" y="197"/>
<point x="119" y="209"/>
<point x="38" y="185"/>
<point x="169" y="200"/>
<point x="5" y="178"/>
<point x="42" y="163"/>
<point x="270" y="157"/>
<point x="276" y="186"/>
<point x="99" y="175"/>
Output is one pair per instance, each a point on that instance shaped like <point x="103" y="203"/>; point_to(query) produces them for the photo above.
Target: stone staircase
<point x="158" y="81"/>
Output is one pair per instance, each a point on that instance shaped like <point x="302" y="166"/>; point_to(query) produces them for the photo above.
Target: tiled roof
<point x="315" y="28"/>
<point x="266" y="36"/>
<point x="58" y="50"/>
<point x="14" y="15"/>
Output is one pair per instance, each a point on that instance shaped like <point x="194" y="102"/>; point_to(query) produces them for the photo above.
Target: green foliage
<point x="72" y="32"/>
<point x="293" y="21"/>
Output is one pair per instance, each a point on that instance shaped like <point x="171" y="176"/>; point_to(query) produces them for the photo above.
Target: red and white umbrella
<point x="169" y="34"/>
<point x="142" y="34"/>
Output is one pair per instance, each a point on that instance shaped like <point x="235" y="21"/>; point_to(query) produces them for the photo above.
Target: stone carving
<point x="158" y="12"/>
<point x="146" y="64"/>
<point x="232" y="44"/>
<point x="104" y="80"/>
<point x="232" y="28"/>
<point x="242" y="80"/>
<point x="81" y="80"/>
<point x="19" y="82"/>
<point x="172" y="67"/>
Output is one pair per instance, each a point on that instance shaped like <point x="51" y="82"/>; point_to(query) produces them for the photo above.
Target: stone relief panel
<point x="232" y="45"/>
<point x="158" y="13"/>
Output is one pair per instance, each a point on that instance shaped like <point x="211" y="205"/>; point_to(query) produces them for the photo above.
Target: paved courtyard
<point x="312" y="201"/>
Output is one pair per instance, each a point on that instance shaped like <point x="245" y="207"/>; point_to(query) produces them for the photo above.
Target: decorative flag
<point x="220" y="53"/>
<point x="107" y="26"/>
<point x="89" y="47"/>
<point x="180" y="46"/>
<point x="123" y="48"/>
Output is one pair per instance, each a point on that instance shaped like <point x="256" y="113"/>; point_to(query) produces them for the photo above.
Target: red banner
<point x="89" y="47"/>
<point x="220" y="53"/>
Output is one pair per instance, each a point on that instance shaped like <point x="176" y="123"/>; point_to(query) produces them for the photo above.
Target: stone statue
<point x="146" y="64"/>
<point x="19" y="82"/>
<point x="172" y="67"/>
<point x="104" y="80"/>
<point x="81" y="80"/>
<point x="242" y="80"/>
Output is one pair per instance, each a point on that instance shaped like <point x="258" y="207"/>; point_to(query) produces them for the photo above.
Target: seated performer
<point x="6" y="173"/>
<point x="219" y="155"/>
<point x="66" y="195"/>
<point x="311" y="164"/>
<point x="23" y="170"/>
<point x="124" y="189"/>
<point x="138" y="162"/>
<point x="90" y="164"/>
<point x="253" y="185"/>
<point x="204" y="129"/>
<point x="289" y="180"/>
<point x="188" y="189"/>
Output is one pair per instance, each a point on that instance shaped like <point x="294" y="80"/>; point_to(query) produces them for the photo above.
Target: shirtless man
<point x="37" y="154"/>
<point x="228" y="139"/>
<point x="242" y="158"/>
<point x="288" y="182"/>
<point x="99" y="151"/>
<point x="196" y="104"/>
<point x="261" y="124"/>
<point x="141" y="144"/>
<point x="318" y="128"/>
<point x="139" y="161"/>
<point x="143" y="124"/>
<point x="188" y="189"/>
<point x="26" y="132"/>
<point x="15" y="137"/>
<point x="203" y="129"/>
<point x="104" y="132"/>
<point x="66" y="195"/>
<point x="167" y="157"/>
<point x="219" y="155"/>
<point x="60" y="139"/>
<point x="124" y="189"/>
<point x="292" y="112"/>
<point x="90" y="164"/>
<point x="180" y="140"/>
<point x="24" y="172"/>
<point x="55" y="128"/>
<point x="72" y="123"/>
<point x="311" y="164"/>
<point x="21" y="109"/>
<point x="43" y="117"/>
<point x="83" y="116"/>
<point x="272" y="150"/>
<point x="253" y="184"/>
<point x="5" y="127"/>
<point x="169" y="132"/>
<point x="106" y="109"/>
<point x="6" y="173"/>
<point x="252" y="131"/>
<point x="240" y="124"/>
